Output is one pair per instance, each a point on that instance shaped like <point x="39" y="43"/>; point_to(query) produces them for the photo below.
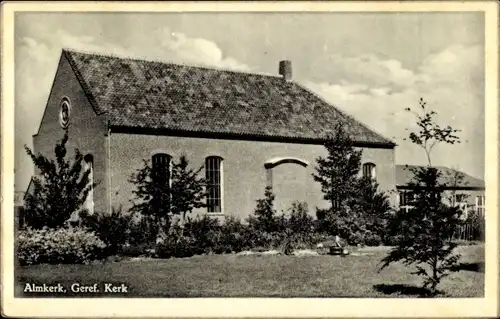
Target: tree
<point x="338" y="172"/>
<point x="338" y="175"/>
<point x="374" y="207"/>
<point x="425" y="231"/>
<point x="160" y="200"/>
<point x="187" y="188"/>
<point x="59" y="190"/>
<point x="265" y="217"/>
<point x="152" y="199"/>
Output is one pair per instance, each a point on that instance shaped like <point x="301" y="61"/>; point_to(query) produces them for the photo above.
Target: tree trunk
<point x="434" y="276"/>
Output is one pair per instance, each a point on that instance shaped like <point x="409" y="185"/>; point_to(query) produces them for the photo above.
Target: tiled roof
<point x="156" y="95"/>
<point x="404" y="176"/>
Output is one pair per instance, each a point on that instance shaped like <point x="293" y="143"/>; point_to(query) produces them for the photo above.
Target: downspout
<point x="108" y="155"/>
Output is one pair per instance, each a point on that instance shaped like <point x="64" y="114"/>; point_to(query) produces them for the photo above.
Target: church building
<point x="246" y="131"/>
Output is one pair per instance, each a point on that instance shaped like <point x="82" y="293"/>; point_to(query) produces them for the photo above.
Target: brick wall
<point x="244" y="173"/>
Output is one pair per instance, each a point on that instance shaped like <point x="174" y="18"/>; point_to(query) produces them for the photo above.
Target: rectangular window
<point x="160" y="175"/>
<point x="213" y="171"/>
<point x="480" y="205"/>
<point x="405" y="200"/>
<point x="89" y="166"/>
<point x="369" y="170"/>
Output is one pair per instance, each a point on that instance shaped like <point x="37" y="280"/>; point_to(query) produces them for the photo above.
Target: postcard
<point x="233" y="159"/>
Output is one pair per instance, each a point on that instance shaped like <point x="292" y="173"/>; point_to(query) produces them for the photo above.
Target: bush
<point x="265" y="218"/>
<point x="301" y="223"/>
<point x="232" y="236"/>
<point x="61" y="246"/>
<point x="112" y="228"/>
<point x="392" y="240"/>
<point x="356" y="238"/>
<point x="177" y="245"/>
<point x="204" y="232"/>
<point x="142" y="231"/>
<point x="372" y="239"/>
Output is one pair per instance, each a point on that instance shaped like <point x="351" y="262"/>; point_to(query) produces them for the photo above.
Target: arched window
<point x="89" y="166"/>
<point x="214" y="178"/>
<point x="160" y="175"/>
<point x="369" y="171"/>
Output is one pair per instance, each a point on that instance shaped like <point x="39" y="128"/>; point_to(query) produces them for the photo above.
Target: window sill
<point x="216" y="214"/>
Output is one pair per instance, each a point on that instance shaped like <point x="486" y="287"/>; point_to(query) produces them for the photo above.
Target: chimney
<point x="285" y="70"/>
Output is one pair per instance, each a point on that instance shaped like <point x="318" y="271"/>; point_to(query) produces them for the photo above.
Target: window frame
<point x="88" y="161"/>
<point x="214" y="167"/>
<point x="168" y="171"/>
<point x="480" y="204"/>
<point x="372" y="168"/>
<point x="406" y="196"/>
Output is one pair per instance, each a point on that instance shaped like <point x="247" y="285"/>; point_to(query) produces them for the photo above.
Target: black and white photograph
<point x="270" y="154"/>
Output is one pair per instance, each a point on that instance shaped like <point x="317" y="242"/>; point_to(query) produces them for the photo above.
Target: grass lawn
<point x="258" y="276"/>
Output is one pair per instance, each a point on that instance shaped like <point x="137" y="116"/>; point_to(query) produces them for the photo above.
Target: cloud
<point x="369" y="69"/>
<point x="376" y="91"/>
<point x="201" y="51"/>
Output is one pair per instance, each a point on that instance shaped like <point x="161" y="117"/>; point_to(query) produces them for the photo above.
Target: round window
<point x="64" y="113"/>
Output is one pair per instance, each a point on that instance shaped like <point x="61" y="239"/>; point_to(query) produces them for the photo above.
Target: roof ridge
<point x="138" y="59"/>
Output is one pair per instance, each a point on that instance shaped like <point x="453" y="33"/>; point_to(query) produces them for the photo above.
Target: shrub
<point x="112" y="228"/>
<point x="204" y="231"/>
<point x="265" y="218"/>
<point x="356" y="238"/>
<point x="59" y="190"/>
<point x="177" y="245"/>
<point x="142" y="230"/>
<point x="232" y="236"/>
<point x="61" y="246"/>
<point x="138" y="250"/>
<point x="300" y="222"/>
<point x="372" y="239"/>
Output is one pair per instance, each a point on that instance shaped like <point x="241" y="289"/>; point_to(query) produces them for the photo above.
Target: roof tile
<point x="155" y="95"/>
<point x="404" y="175"/>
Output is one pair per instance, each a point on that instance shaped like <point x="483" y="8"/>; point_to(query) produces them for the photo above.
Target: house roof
<point x="156" y="95"/>
<point x="404" y="176"/>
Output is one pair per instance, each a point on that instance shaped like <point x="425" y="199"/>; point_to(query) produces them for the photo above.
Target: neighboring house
<point x="463" y="190"/>
<point x="246" y="130"/>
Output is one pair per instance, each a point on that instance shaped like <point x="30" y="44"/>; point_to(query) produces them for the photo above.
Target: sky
<point x="370" y="65"/>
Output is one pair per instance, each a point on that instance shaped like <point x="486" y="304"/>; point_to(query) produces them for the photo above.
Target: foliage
<point x="232" y="236"/>
<point x="152" y="197"/>
<point x="300" y="221"/>
<point x="166" y="198"/>
<point x="337" y="173"/>
<point x="430" y="133"/>
<point x="187" y="188"/>
<point x="176" y="246"/>
<point x="426" y="229"/>
<point x="358" y="210"/>
<point x="373" y="211"/>
<point x="265" y="217"/>
<point x="59" y="190"/>
<point x="112" y="228"/>
<point x="142" y="230"/>
<point x="61" y="246"/>
<point x="204" y="232"/>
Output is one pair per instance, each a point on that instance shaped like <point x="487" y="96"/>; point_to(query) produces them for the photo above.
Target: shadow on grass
<point x="407" y="290"/>
<point x="477" y="267"/>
